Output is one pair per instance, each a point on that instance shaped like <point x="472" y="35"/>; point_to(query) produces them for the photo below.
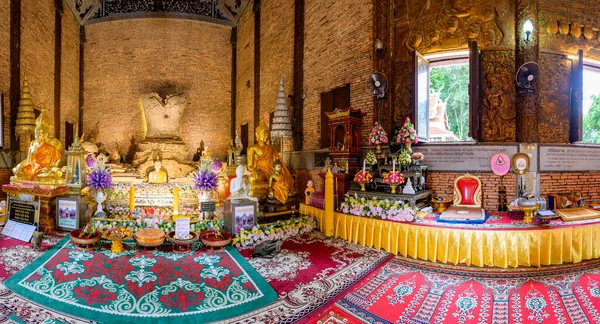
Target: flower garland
<point x="363" y="177"/>
<point x="103" y="224"/>
<point x="407" y="133"/>
<point x="280" y="230"/>
<point x="371" y="159"/>
<point x="121" y="190"/>
<point x="393" y="178"/>
<point x="393" y="210"/>
<point x="378" y="135"/>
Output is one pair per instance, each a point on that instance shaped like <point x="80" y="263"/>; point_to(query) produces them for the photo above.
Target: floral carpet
<point x="310" y="271"/>
<point x="408" y="291"/>
<point x="158" y="286"/>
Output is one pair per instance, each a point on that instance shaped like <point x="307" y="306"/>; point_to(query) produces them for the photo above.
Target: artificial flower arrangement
<point x="206" y="179"/>
<point x="393" y="210"/>
<point x="103" y="224"/>
<point x="378" y="135"/>
<point x="371" y="159"/>
<point x="363" y="177"/>
<point x="393" y="178"/>
<point x="404" y="158"/>
<point x="280" y="230"/>
<point x="407" y="133"/>
<point x="99" y="178"/>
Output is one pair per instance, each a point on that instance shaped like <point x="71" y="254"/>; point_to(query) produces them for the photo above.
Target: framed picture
<point x="520" y="163"/>
<point x="239" y="214"/>
<point x="68" y="213"/>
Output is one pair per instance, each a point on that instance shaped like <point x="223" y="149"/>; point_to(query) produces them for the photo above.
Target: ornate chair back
<point x="467" y="191"/>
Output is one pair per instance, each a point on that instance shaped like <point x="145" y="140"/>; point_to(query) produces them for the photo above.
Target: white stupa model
<point x="408" y="188"/>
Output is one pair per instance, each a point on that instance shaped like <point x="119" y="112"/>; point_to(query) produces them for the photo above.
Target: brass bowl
<point x="181" y="246"/>
<point x="84" y="244"/>
<point x="210" y="239"/>
<point x="441" y="206"/>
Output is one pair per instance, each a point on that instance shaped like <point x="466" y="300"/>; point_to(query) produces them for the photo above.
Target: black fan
<point x="377" y="85"/>
<point x="527" y="77"/>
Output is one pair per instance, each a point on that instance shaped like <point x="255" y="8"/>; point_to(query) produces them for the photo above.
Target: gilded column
<point x="527" y="51"/>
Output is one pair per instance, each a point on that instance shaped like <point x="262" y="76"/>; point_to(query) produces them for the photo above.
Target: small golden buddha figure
<point x="43" y="156"/>
<point x="159" y="175"/>
<point x="276" y="186"/>
<point x="261" y="158"/>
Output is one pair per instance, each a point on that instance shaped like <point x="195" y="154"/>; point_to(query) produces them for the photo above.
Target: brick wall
<point x="441" y="184"/>
<point x="5" y="65"/>
<point x="338" y="50"/>
<point x="588" y="184"/>
<point x="302" y="177"/>
<point x="126" y="58"/>
<point x="69" y="78"/>
<point x="37" y="51"/>
<point x="245" y="72"/>
<point x="276" y="51"/>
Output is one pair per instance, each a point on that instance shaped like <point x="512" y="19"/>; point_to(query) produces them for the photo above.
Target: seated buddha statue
<point x="261" y="159"/>
<point x="159" y="175"/>
<point x="43" y="155"/>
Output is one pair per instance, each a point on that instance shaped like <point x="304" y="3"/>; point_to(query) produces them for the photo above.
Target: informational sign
<point x="24" y="212"/>
<point x="18" y="231"/>
<point x="182" y="228"/>
<point x="67" y="214"/>
<point x="462" y="157"/>
<point x="208" y="206"/>
<point x="569" y="158"/>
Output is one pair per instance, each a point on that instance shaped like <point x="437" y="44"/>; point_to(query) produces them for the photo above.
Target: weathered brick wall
<point x="276" y="51"/>
<point x="338" y="50"/>
<point x="245" y="72"/>
<point x="5" y="66"/>
<point x="302" y="177"/>
<point x="126" y="58"/>
<point x="587" y="183"/>
<point x="37" y="51"/>
<point x="441" y="183"/>
<point x="69" y="78"/>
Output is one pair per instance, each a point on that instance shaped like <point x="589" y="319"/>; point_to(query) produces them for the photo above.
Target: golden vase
<point x="394" y="187"/>
<point x="407" y="147"/>
<point x="362" y="186"/>
<point x="378" y="151"/>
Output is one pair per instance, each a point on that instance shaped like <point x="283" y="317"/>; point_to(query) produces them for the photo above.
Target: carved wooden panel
<point x="383" y="62"/>
<point x="498" y="122"/>
<point x="403" y="89"/>
<point x="554" y="88"/>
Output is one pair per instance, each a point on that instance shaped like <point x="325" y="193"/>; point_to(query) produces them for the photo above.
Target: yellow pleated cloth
<point x="500" y="248"/>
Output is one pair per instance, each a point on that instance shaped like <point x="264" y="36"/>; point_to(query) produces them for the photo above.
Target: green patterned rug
<point x="160" y="287"/>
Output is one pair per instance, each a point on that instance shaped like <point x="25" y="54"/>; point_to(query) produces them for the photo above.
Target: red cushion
<point x="467" y="188"/>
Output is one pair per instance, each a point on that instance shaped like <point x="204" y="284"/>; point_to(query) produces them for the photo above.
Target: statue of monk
<point x="261" y="158"/>
<point x="43" y="155"/>
<point x="159" y="175"/>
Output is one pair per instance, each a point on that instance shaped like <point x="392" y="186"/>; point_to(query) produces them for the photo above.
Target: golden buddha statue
<point x="159" y="175"/>
<point x="43" y="157"/>
<point x="261" y="159"/>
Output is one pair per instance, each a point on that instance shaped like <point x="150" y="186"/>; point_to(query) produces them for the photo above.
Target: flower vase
<point x="378" y="151"/>
<point x="362" y="186"/>
<point x="205" y="196"/>
<point x="407" y="147"/>
<point x="394" y="187"/>
<point x="100" y="197"/>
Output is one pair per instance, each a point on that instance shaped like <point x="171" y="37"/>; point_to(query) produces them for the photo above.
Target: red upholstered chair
<point x="467" y="191"/>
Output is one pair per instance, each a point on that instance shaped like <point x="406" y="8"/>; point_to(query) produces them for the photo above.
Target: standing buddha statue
<point x="43" y="157"/>
<point x="261" y="158"/>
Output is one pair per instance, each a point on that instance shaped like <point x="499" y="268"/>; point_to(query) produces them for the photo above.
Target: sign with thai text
<point x="24" y="212"/>
<point x="569" y="158"/>
<point x="462" y="157"/>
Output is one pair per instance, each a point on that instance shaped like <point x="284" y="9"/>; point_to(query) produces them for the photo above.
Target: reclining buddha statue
<point x="261" y="160"/>
<point x="43" y="157"/>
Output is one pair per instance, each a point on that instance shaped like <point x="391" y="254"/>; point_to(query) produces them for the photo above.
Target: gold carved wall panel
<point x="498" y="122"/>
<point x="554" y="88"/>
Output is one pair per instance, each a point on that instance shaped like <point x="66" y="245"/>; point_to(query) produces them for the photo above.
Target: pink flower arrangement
<point x="393" y="178"/>
<point x="363" y="177"/>
<point x="378" y="135"/>
<point x="407" y="133"/>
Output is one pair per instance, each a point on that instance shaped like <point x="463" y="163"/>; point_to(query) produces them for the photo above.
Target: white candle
<point x="364" y="165"/>
<point x="393" y="165"/>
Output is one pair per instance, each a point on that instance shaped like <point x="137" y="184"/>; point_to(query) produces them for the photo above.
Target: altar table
<point x="500" y="243"/>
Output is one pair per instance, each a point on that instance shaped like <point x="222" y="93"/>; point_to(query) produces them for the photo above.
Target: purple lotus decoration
<point x="205" y="180"/>
<point x="217" y="165"/>
<point x="99" y="179"/>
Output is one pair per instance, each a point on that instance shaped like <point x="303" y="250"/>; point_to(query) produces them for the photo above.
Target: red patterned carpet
<point x="310" y="271"/>
<point x="408" y="291"/>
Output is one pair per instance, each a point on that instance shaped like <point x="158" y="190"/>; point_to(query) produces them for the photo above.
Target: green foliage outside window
<point x="591" y="122"/>
<point x="452" y="82"/>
